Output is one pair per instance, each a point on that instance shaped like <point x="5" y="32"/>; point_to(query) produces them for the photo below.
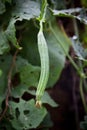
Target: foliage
<point x="20" y="61"/>
<point x="84" y="123"/>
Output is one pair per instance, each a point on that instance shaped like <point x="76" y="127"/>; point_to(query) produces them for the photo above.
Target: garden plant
<point x="34" y="47"/>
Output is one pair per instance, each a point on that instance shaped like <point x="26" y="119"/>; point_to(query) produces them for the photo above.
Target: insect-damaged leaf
<point x="29" y="74"/>
<point x="77" y="13"/>
<point x="26" y="9"/>
<point x="25" y="115"/>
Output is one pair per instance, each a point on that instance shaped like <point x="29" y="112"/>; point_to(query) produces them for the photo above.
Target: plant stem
<point x="85" y="85"/>
<point x="82" y="95"/>
<point x="82" y="80"/>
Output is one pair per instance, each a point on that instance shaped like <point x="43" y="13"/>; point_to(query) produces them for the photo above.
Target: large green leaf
<point x="29" y="74"/>
<point x="19" y="90"/>
<point x="20" y="63"/>
<point x="25" y="115"/>
<point x="29" y="44"/>
<point x="56" y="52"/>
<point x="26" y="9"/>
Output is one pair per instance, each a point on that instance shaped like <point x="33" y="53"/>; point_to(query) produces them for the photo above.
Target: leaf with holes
<point x="78" y="13"/>
<point x="26" y="9"/>
<point x="25" y="115"/>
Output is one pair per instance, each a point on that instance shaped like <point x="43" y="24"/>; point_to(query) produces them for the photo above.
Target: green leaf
<point x="29" y="75"/>
<point x="20" y="63"/>
<point x="29" y="44"/>
<point x="56" y="52"/>
<point x="11" y="33"/>
<point x="19" y="90"/>
<point x="26" y="9"/>
<point x="72" y="14"/>
<point x="47" y="99"/>
<point x="2" y="7"/>
<point x="66" y="12"/>
<point x="4" y="46"/>
<point x="26" y="115"/>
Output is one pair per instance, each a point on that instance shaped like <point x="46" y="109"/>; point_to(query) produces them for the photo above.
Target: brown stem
<point x="75" y="101"/>
<point x="9" y="84"/>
